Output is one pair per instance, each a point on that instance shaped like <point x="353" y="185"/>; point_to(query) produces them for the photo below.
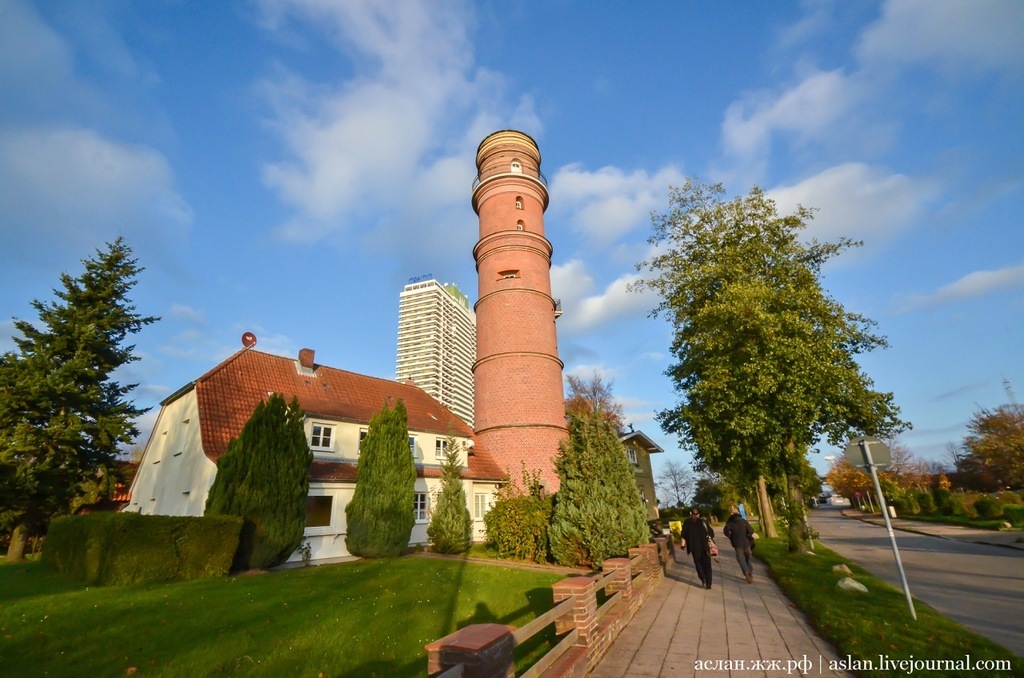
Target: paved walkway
<point x="735" y="629"/>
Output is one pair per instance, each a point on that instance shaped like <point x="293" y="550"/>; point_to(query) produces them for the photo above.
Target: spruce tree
<point x="63" y="417"/>
<point x="380" y="516"/>
<point x="451" y="527"/>
<point x="598" y="511"/>
<point x="264" y="478"/>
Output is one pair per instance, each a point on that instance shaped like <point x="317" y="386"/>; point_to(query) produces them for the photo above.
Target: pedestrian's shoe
<point x="707" y="586"/>
<point x="749" y="578"/>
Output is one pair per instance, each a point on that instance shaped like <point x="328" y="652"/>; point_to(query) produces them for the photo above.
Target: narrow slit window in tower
<point x="520" y="225"/>
<point x="519" y="202"/>
<point x="517" y="167"/>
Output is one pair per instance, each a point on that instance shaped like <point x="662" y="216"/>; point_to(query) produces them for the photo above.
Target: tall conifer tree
<point x="598" y="511"/>
<point x="264" y="478"/>
<point x="63" y="416"/>
<point x="380" y="516"/>
<point x="451" y="527"/>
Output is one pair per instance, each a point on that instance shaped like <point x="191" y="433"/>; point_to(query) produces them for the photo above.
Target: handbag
<point x="712" y="548"/>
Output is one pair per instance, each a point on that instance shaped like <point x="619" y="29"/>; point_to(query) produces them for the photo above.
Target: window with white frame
<point x="440" y="448"/>
<point x="318" y="511"/>
<point x="631" y="454"/>
<point x="362" y="436"/>
<point x="422" y="503"/>
<point x="412" y="446"/>
<point x="481" y="505"/>
<point x="321" y="437"/>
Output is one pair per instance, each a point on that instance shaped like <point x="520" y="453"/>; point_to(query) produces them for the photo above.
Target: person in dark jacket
<point x="696" y="532"/>
<point x="741" y="536"/>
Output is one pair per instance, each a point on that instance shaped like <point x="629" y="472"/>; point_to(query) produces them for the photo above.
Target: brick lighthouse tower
<point x="518" y="409"/>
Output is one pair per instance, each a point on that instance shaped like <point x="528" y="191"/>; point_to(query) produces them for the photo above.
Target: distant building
<point x="639" y="449"/>
<point x="197" y="422"/>
<point x="437" y="344"/>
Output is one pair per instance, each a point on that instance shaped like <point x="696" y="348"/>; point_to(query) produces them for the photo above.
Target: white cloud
<point x="970" y="286"/>
<point x="805" y="111"/>
<point x="394" y="144"/>
<point x="951" y="34"/>
<point x="72" y="186"/>
<point x="615" y="303"/>
<point x="857" y="201"/>
<point x="607" y="204"/>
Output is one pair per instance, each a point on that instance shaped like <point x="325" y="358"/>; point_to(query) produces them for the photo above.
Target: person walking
<point x="741" y="536"/>
<point x="696" y="532"/>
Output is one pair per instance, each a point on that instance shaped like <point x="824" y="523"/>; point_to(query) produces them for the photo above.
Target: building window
<point x="517" y="167"/>
<point x="508" y="275"/>
<point x="318" y="511"/>
<point x="519" y="202"/>
<point x="631" y="453"/>
<point x="320" y="438"/>
<point x="362" y="436"/>
<point x="440" y="448"/>
<point x="412" y="446"/>
<point x="481" y="505"/>
<point x="420" y="507"/>
<point x="520" y="225"/>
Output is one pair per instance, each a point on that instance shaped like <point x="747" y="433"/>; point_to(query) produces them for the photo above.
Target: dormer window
<point x="517" y="168"/>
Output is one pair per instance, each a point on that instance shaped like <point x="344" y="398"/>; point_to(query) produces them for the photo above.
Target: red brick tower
<point x="518" y="408"/>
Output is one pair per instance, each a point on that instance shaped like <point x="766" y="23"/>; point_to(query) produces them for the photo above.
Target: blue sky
<point x="285" y="166"/>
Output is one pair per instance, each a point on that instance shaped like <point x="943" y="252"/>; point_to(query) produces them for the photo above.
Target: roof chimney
<point x="306" y="356"/>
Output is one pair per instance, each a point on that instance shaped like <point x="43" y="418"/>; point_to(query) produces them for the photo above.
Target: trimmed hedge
<point x="127" y="548"/>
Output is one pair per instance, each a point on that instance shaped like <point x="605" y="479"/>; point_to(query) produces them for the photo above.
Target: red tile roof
<point x="228" y="394"/>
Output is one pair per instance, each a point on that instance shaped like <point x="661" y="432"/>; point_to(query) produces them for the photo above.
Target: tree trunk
<point x="764" y="509"/>
<point x="19" y="538"/>
<point x="796" y="516"/>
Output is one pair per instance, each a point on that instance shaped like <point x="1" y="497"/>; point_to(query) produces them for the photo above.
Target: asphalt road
<point x="978" y="585"/>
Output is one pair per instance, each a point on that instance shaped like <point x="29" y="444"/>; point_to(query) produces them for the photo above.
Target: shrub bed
<point x="128" y="548"/>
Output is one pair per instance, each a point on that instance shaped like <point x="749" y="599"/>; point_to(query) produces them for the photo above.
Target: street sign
<point x="854" y="453"/>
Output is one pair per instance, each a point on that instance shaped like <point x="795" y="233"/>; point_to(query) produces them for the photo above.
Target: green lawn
<point x="366" y="618"/>
<point x="879" y="623"/>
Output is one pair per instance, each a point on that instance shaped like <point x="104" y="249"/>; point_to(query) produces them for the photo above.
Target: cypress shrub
<point x="598" y="512"/>
<point x="380" y="516"/>
<point x="926" y="502"/>
<point x="451" y="527"/>
<point x="264" y="478"/>
<point x="942" y="496"/>
<point x="518" y="522"/>
<point x="988" y="507"/>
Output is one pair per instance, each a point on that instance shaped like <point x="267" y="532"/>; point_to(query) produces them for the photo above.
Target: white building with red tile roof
<point x="196" y="423"/>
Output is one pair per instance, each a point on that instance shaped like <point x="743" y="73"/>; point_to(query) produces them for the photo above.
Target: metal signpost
<point x="858" y="453"/>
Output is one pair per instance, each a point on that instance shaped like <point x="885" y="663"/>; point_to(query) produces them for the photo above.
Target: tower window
<point x="507" y="275"/>
<point x="519" y="202"/>
<point x="519" y="225"/>
<point x="517" y="168"/>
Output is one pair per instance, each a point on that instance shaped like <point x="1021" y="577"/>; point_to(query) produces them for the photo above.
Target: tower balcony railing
<point x="540" y="177"/>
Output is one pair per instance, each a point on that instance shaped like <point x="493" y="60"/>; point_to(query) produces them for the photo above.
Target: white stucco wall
<point x="174" y="474"/>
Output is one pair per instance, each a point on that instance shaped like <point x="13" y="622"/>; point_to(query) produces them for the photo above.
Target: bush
<point x="451" y="528"/>
<point x="380" y="516"/>
<point x="906" y="505"/>
<point x="1014" y="514"/>
<point x="956" y="505"/>
<point x="1009" y="498"/>
<point x="988" y="507"/>
<point x="926" y="502"/>
<point x="598" y="511"/>
<point x="264" y="478"/>
<point x="942" y="496"/>
<point x="517" y="524"/>
<point x="128" y="548"/>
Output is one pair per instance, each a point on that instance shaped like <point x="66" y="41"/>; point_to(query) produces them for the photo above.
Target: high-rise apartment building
<point x="437" y="344"/>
